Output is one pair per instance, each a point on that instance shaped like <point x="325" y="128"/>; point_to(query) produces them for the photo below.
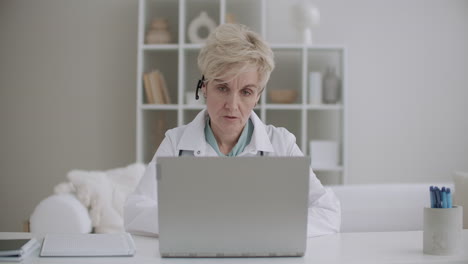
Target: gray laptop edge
<point x="232" y="207"/>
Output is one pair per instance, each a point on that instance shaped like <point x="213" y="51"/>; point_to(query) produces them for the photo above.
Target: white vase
<point x="331" y="87"/>
<point x="202" y="21"/>
<point x="315" y="87"/>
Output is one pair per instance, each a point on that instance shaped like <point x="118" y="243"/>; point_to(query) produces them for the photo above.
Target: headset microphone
<point x="199" y="86"/>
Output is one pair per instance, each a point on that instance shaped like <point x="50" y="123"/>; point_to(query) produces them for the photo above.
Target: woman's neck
<point x="226" y="141"/>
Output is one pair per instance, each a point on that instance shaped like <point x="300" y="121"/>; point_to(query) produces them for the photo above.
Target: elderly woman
<point x="235" y="64"/>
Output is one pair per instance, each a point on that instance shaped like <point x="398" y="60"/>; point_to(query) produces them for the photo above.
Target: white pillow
<point x="60" y="213"/>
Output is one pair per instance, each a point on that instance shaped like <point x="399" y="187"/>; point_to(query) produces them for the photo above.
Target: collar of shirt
<point x="193" y="137"/>
<point x="244" y="139"/>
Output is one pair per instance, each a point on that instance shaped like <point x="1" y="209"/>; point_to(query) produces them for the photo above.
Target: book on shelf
<point x="165" y="91"/>
<point x="148" y="90"/>
<point x="156" y="88"/>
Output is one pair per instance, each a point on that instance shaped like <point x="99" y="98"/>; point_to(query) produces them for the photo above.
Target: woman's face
<point x="229" y="102"/>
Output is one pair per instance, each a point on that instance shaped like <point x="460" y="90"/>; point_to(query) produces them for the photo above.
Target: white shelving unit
<point x="177" y="62"/>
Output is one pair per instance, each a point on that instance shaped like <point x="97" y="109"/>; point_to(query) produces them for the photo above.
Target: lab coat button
<point x="198" y="152"/>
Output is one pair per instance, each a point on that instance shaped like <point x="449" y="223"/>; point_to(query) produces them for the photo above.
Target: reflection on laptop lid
<point x="233" y="206"/>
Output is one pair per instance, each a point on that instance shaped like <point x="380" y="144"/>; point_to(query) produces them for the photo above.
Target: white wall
<point x="67" y="89"/>
<point x="408" y="66"/>
<point x="407" y="81"/>
<point x="67" y="95"/>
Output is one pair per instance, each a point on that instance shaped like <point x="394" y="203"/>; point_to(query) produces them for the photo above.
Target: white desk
<point x="379" y="247"/>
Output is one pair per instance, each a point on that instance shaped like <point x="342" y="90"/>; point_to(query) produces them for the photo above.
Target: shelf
<point x="306" y="46"/>
<point x="267" y="106"/>
<point x="325" y="47"/>
<point x="160" y="47"/>
<point x="307" y="107"/>
<point x="286" y="46"/>
<point x="334" y="168"/>
<point x="277" y="46"/>
<point x="324" y="107"/>
<point x="159" y="107"/>
<point x="283" y="106"/>
<point x="192" y="46"/>
<point x="193" y="107"/>
<point x="177" y="61"/>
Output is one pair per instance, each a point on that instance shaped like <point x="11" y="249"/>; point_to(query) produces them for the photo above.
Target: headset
<point x="199" y="86"/>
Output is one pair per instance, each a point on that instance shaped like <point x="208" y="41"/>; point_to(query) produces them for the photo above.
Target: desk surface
<point x="376" y="247"/>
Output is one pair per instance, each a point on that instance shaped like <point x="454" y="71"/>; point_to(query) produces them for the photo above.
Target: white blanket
<point x="103" y="193"/>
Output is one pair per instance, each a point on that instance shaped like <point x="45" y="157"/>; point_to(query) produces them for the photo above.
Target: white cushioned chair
<point x="88" y="201"/>
<point x="364" y="208"/>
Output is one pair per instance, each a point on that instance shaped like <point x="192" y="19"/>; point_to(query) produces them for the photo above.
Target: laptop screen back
<point x="232" y="207"/>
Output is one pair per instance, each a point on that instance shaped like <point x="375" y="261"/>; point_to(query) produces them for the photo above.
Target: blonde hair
<point x="233" y="49"/>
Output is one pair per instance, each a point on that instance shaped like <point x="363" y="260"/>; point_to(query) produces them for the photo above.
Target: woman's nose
<point x="232" y="101"/>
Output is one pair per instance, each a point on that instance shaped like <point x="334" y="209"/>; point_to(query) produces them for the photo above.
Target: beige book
<point x="148" y="89"/>
<point x="165" y="91"/>
<point x="156" y="87"/>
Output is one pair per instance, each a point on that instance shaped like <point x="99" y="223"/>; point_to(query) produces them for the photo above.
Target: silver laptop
<point x="232" y="207"/>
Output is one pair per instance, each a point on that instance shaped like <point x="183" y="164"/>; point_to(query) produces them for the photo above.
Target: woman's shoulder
<point x="282" y="141"/>
<point x="168" y="146"/>
<point x="176" y="132"/>
<point x="196" y="126"/>
<point x="280" y="133"/>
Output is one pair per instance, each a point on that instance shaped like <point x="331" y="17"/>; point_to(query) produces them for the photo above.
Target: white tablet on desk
<point x="88" y="245"/>
<point x="16" y="250"/>
<point x="233" y="206"/>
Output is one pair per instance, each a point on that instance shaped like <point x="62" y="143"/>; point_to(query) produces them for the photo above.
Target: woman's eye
<point x="222" y="88"/>
<point x="246" y="92"/>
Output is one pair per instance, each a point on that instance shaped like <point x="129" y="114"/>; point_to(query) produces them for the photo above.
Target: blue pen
<point x="444" y="198"/>
<point x="432" y="194"/>
<point x="437" y="197"/>
<point x="449" y="198"/>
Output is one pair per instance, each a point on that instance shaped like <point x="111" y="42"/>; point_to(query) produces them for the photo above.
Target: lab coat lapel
<point x="193" y="138"/>
<point x="260" y="140"/>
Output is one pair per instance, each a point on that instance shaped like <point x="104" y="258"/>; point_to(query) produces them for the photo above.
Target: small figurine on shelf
<point x="199" y="25"/>
<point x="159" y="32"/>
<point x="230" y="18"/>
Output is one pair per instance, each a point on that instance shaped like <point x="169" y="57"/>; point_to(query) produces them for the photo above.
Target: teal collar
<point x="243" y="141"/>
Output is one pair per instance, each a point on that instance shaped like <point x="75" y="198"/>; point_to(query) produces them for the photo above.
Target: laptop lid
<point x="232" y="206"/>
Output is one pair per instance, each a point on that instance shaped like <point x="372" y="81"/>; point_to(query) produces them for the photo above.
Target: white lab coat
<point x="141" y="207"/>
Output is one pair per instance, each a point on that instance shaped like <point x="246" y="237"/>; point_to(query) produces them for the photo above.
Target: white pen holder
<point x="442" y="230"/>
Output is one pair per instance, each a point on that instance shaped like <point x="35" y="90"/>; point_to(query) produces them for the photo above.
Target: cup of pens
<point x="443" y="224"/>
